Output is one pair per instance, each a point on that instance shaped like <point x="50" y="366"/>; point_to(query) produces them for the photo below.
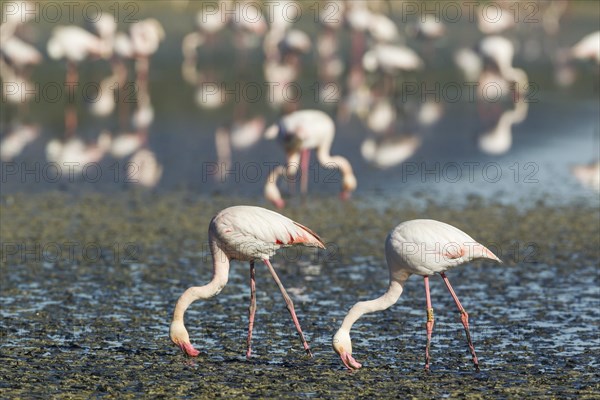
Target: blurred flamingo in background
<point x="16" y="58"/>
<point x="588" y="174"/>
<point x="588" y="48"/>
<point x="299" y="133"/>
<point x="389" y="151"/>
<point x="408" y="251"/>
<point x="16" y="140"/>
<point x="77" y="154"/>
<point x="75" y="44"/>
<point x="501" y="52"/>
<point x="391" y="60"/>
<point x="237" y="136"/>
<point x="498" y="140"/>
<point x="243" y="233"/>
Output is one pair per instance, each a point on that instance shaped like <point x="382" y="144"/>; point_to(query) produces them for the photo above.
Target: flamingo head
<point x="271" y="191"/>
<point x="343" y="347"/>
<point x="348" y="186"/>
<point x="279" y="203"/>
<point x="180" y="337"/>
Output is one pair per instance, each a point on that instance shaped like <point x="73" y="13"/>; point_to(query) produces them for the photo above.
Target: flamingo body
<point x="422" y="247"/>
<point x="300" y="132"/>
<point x="248" y="233"/>
<point x="409" y="247"/>
<point x="243" y="233"/>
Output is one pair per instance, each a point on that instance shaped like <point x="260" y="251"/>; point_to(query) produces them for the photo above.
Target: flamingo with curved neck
<point x="299" y="133"/>
<point x="243" y="233"/>
<point x="423" y="247"/>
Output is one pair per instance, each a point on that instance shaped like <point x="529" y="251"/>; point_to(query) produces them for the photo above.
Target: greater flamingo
<point x="75" y="44"/>
<point x="501" y="51"/>
<point x="588" y="48"/>
<point x="300" y="132"/>
<point x="243" y="233"/>
<point x="423" y="247"/>
<point x="588" y="174"/>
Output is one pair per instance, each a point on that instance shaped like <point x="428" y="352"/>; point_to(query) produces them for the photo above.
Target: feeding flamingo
<point x="408" y="250"/>
<point x="300" y="132"/>
<point x="243" y="233"/>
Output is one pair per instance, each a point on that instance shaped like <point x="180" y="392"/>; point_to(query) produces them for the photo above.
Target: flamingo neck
<point x="219" y="280"/>
<point x="271" y="191"/>
<point x="339" y="162"/>
<point x="389" y="298"/>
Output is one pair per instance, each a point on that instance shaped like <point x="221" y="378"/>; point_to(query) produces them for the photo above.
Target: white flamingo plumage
<point x="498" y="140"/>
<point x="16" y="140"/>
<point x="588" y="175"/>
<point x="389" y="151"/>
<point x="391" y="59"/>
<point x="422" y="247"/>
<point x="76" y="153"/>
<point x="588" y="47"/>
<point x="243" y="233"/>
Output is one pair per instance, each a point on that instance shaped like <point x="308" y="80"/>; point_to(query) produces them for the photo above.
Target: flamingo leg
<point x="429" y="325"/>
<point x="464" y="317"/>
<point x="71" y="109"/>
<point x="251" y="309"/>
<point x="304" y="162"/>
<point x="290" y="306"/>
<point x="293" y="161"/>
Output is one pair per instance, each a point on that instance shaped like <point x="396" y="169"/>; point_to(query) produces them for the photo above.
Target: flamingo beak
<point x="280" y="204"/>
<point x="345" y="195"/>
<point x="349" y="361"/>
<point x="188" y="349"/>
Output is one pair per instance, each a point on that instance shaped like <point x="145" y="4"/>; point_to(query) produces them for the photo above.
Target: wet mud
<point x="89" y="283"/>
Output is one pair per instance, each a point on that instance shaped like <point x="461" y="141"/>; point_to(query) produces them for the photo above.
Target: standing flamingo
<point x="422" y="247"/>
<point x="75" y="44"/>
<point x="243" y="233"/>
<point x="299" y="132"/>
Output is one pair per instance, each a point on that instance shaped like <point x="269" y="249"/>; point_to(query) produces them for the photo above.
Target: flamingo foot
<point x="188" y="349"/>
<point x="349" y="361"/>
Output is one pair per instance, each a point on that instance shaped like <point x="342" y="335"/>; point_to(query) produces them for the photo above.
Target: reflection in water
<point x="389" y="151"/>
<point x="498" y="140"/>
<point x="498" y="83"/>
<point x="126" y="143"/>
<point x="588" y="48"/>
<point x="355" y="60"/>
<point x="143" y="168"/>
<point x="76" y="153"/>
<point x="14" y="141"/>
<point x="237" y="136"/>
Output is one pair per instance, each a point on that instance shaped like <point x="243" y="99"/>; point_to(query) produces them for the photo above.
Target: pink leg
<point x="251" y="309"/>
<point x="464" y="317"/>
<point x="71" y="109"/>
<point x="429" y="322"/>
<point x="290" y="306"/>
<point x="304" y="163"/>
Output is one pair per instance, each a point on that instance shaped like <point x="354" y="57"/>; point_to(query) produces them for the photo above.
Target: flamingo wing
<point x="428" y="246"/>
<point x="248" y="233"/>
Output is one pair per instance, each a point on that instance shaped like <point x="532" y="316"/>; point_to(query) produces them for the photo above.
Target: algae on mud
<point x="89" y="283"/>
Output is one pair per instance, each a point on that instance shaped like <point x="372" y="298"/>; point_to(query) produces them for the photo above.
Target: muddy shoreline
<point x="89" y="283"/>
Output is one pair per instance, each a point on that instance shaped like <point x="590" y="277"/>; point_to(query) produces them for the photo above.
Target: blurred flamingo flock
<point x="232" y="96"/>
